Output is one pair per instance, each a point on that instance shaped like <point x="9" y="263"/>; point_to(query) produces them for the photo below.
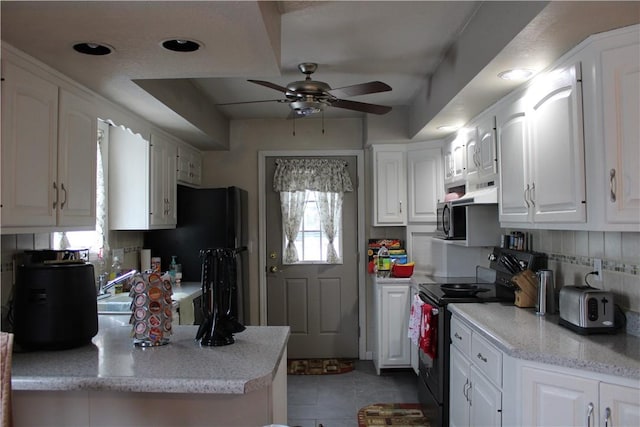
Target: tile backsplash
<point x="572" y="254"/>
<point x="10" y="244"/>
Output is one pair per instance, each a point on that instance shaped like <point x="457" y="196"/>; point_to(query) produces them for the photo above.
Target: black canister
<point x="55" y="306"/>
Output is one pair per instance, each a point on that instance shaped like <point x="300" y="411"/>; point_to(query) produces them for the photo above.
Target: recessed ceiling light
<point x="181" y="45"/>
<point x="92" y="48"/>
<point x="516" y="74"/>
<point x="448" y="128"/>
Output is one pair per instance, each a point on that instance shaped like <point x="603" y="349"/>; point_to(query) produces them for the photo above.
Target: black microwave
<point x="452" y="222"/>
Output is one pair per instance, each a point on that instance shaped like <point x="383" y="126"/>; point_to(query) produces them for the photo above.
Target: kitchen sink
<point x="115" y="304"/>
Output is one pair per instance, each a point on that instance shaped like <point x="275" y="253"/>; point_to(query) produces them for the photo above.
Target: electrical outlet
<point x="597" y="266"/>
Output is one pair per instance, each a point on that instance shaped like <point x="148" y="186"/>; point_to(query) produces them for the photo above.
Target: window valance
<point x="326" y="175"/>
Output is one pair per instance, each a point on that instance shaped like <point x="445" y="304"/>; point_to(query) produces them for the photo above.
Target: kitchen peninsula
<point x="112" y="382"/>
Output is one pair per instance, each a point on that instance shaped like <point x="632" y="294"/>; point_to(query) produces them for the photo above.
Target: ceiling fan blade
<point x="252" y="102"/>
<point x="361" y="106"/>
<point x="360" y="89"/>
<point x="269" y="85"/>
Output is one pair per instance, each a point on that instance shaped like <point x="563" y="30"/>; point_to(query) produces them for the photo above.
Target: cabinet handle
<point x="457" y="336"/>
<point x="65" y="196"/>
<point x="589" y="414"/>
<point x="533" y="194"/>
<point x="613" y="184"/>
<point x="465" y="389"/>
<point x="526" y="196"/>
<point x="55" y="201"/>
<point x="481" y="357"/>
<point x="607" y="417"/>
<point x="401" y="206"/>
<point x="468" y="392"/>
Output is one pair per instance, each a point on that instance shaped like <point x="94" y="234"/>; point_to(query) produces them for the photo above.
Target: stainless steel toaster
<point x="587" y="310"/>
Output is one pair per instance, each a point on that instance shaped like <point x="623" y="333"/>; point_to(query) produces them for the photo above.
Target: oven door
<point x="433" y="390"/>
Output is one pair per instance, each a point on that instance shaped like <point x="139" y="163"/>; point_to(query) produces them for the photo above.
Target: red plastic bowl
<point x="402" y="270"/>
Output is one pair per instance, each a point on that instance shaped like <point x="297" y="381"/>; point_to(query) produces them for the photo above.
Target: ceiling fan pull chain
<point x="322" y="122"/>
<point x="294" y="126"/>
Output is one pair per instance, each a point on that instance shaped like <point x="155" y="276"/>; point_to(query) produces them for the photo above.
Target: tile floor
<point x="334" y="400"/>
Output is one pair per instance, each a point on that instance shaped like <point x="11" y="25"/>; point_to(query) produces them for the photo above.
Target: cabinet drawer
<point x="487" y="358"/>
<point x="461" y="336"/>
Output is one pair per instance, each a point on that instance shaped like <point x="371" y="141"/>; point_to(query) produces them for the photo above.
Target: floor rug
<point x="319" y="366"/>
<point x="392" y="414"/>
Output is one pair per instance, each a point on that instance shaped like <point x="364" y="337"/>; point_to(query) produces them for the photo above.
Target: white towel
<point x="415" y="318"/>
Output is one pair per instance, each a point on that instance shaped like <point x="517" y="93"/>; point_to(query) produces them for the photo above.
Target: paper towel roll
<point x="145" y="259"/>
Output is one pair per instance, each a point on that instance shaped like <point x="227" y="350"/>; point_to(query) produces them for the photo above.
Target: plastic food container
<point x="402" y="270"/>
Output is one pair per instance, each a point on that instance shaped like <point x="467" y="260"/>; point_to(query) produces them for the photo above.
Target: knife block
<point x="527" y="292"/>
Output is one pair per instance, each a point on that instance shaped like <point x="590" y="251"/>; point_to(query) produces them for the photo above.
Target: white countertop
<point x="113" y="363"/>
<point x="521" y="334"/>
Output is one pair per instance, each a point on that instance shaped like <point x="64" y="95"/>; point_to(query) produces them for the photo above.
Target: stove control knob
<point x="492" y="257"/>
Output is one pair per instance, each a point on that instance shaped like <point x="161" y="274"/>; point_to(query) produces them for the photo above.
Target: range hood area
<point x="482" y="196"/>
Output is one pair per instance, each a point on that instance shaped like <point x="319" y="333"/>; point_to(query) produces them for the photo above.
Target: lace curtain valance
<point x="326" y="175"/>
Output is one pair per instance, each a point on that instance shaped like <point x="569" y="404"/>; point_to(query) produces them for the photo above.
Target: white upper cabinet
<point x="163" y="181"/>
<point x="512" y="143"/>
<point x="486" y="152"/>
<point x="557" y="179"/>
<point x="621" y="113"/>
<point x="142" y="181"/>
<point x="455" y="158"/>
<point x="189" y="166"/>
<point x="541" y="151"/>
<point x="424" y="183"/>
<point x="390" y="186"/>
<point x="49" y="141"/>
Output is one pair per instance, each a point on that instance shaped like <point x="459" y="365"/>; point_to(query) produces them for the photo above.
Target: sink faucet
<point x="104" y="287"/>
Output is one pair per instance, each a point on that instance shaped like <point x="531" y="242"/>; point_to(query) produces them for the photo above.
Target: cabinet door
<point x="459" y="156"/>
<point x="189" y="166"/>
<point x="77" y="146"/>
<point x="471" y="155"/>
<point x="485" y="402"/>
<point x="390" y="188"/>
<point x="425" y="184"/>
<point x="619" y="406"/>
<point x="459" y="389"/>
<point x="29" y="148"/>
<point x="512" y="149"/>
<point x="553" y="399"/>
<point x="487" y="157"/>
<point x="163" y="182"/>
<point x="557" y="148"/>
<point x="394" y="313"/>
<point x="621" y="109"/>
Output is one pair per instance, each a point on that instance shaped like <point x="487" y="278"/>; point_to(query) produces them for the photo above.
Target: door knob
<point x="273" y="269"/>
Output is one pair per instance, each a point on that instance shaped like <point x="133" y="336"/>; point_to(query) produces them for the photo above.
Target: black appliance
<point x="493" y="286"/>
<point x="54" y="305"/>
<point x="451" y="222"/>
<point x="207" y="219"/>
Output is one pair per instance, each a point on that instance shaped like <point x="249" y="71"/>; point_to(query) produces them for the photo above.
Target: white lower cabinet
<point x="475" y="379"/>
<point x="392" y="347"/>
<point x="553" y="398"/>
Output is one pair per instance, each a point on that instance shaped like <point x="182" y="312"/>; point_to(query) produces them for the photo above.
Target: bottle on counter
<point x="116" y="271"/>
<point x="173" y="267"/>
<point x="384" y="262"/>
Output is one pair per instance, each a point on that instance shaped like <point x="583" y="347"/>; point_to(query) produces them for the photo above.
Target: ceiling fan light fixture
<point x="516" y="74"/>
<point x="92" y="48"/>
<point x="306" y="108"/>
<point x="181" y="45"/>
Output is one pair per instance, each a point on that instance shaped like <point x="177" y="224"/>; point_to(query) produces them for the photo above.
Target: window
<point x="311" y="242"/>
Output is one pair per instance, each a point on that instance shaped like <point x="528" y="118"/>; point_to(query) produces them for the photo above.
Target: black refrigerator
<point x="211" y="218"/>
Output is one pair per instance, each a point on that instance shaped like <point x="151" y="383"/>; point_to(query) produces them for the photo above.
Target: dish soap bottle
<point x="172" y="269"/>
<point x="116" y="271"/>
<point x="384" y="262"/>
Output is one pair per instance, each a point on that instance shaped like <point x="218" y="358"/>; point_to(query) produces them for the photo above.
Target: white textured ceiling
<point x="400" y="43"/>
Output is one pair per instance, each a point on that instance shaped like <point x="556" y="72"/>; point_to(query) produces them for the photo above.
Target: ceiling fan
<point x="306" y="97"/>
